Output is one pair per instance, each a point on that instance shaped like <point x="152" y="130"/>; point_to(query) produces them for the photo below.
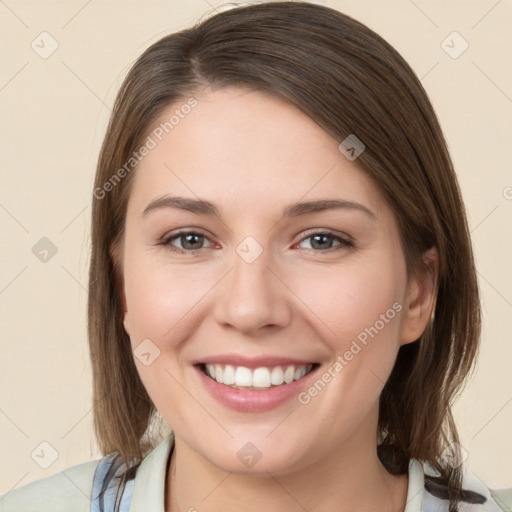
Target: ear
<point x="419" y="304"/>
<point x="115" y="251"/>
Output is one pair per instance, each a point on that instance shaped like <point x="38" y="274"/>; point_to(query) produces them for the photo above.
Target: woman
<point x="281" y="270"/>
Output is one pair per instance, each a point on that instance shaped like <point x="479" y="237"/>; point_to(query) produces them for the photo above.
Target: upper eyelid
<point x="184" y="231"/>
<point x="176" y="234"/>
<point x="344" y="240"/>
<point x="304" y="235"/>
<point x="319" y="231"/>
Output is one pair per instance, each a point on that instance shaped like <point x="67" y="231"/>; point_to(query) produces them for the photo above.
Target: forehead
<point x="251" y="142"/>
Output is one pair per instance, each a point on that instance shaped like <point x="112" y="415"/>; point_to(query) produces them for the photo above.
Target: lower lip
<point x="251" y="400"/>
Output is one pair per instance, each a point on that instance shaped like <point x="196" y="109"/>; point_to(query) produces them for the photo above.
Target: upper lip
<point x="252" y="362"/>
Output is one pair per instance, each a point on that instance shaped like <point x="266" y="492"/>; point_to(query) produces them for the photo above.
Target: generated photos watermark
<point x="344" y="359"/>
<point x="151" y="142"/>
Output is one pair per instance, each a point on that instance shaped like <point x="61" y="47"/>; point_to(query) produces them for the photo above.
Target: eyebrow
<point x="202" y="207"/>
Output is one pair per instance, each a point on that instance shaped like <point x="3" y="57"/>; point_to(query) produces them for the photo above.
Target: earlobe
<point x="421" y="298"/>
<point x="126" y="323"/>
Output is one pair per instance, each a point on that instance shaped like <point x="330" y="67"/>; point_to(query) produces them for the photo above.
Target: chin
<point x="245" y="458"/>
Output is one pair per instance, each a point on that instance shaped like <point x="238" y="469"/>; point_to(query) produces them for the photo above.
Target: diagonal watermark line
<point x="13" y="13"/>
<point x="13" y="279"/>
<point x="424" y="14"/>
<point x="74" y="278"/>
<point x="286" y="491"/>
<point x="503" y="407"/>
<point x="485" y="15"/>
<point x="74" y="218"/>
<point x="88" y="412"/>
<point x="13" y="423"/>
<point x="13" y="217"/>
<point x="74" y="426"/>
<point x="306" y="193"/>
<point x="377" y="377"/>
<point x="421" y="79"/>
<point x="216" y="487"/>
<point x="496" y="290"/>
<point x="492" y="81"/>
<point x="301" y="300"/>
<point x="14" y="486"/>
<point x="13" y="76"/>
<point x="502" y="504"/>
<point x="214" y="8"/>
<point x="472" y="471"/>
<point x="198" y="301"/>
<point x="85" y="84"/>
<point x="79" y="283"/>
<point x="198" y="402"/>
<point x="220" y="220"/>
<point x="280" y="423"/>
<point x="503" y="499"/>
<point x="485" y="218"/>
<point x="74" y="483"/>
<point x="76" y="14"/>
<point x="414" y="497"/>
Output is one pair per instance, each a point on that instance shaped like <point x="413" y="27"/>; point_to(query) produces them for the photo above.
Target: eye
<point x="193" y="241"/>
<point x="190" y="242"/>
<point x="324" y="240"/>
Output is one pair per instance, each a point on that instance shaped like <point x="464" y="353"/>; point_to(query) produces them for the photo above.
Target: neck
<point x="350" y="477"/>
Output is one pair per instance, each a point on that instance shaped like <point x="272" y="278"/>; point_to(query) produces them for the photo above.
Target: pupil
<point x="324" y="238"/>
<point x="189" y="239"/>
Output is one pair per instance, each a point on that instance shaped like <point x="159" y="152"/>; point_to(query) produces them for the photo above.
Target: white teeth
<point x="218" y="373"/>
<point x="262" y="378"/>
<point x="277" y="376"/>
<point x="243" y="377"/>
<point x="288" y="374"/>
<point x="299" y="373"/>
<point x="229" y="375"/>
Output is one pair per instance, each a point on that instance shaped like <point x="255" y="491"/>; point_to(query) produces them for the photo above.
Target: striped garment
<point x="110" y="493"/>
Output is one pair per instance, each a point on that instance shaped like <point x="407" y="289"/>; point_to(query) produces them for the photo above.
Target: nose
<point x="252" y="297"/>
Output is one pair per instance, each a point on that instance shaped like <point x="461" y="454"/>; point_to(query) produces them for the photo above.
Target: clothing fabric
<point x="96" y="486"/>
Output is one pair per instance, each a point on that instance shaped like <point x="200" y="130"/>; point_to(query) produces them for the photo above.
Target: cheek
<point x="163" y="305"/>
<point x="358" y="312"/>
<point x="161" y="297"/>
<point x="351" y="302"/>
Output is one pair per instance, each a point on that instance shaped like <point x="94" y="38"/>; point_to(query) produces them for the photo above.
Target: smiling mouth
<point x="262" y="378"/>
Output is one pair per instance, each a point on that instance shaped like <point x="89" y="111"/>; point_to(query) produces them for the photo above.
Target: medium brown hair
<point x="350" y="81"/>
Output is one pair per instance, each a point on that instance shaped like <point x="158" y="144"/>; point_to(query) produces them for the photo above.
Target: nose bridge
<point x="252" y="296"/>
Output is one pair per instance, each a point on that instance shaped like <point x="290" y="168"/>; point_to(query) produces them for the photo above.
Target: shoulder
<point x="476" y="495"/>
<point x="67" y="490"/>
<point x="104" y="484"/>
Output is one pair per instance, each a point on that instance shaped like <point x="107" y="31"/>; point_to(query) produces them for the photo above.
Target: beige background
<point x="54" y="114"/>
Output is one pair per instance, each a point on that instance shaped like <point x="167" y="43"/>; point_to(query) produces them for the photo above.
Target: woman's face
<point x="258" y="283"/>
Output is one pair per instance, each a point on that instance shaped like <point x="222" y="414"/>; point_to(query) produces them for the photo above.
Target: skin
<point x="252" y="154"/>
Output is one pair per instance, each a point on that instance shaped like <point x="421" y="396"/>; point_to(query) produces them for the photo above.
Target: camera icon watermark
<point x="146" y="352"/>
<point x="249" y="249"/>
<point x="44" y="455"/>
<point x="507" y="193"/>
<point x="249" y="454"/>
<point x="44" y="250"/>
<point x="454" y="45"/>
<point x="454" y="455"/>
<point x="351" y="147"/>
<point x="44" y="45"/>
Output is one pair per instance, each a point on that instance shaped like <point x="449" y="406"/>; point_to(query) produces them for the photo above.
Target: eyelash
<point x="343" y="242"/>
